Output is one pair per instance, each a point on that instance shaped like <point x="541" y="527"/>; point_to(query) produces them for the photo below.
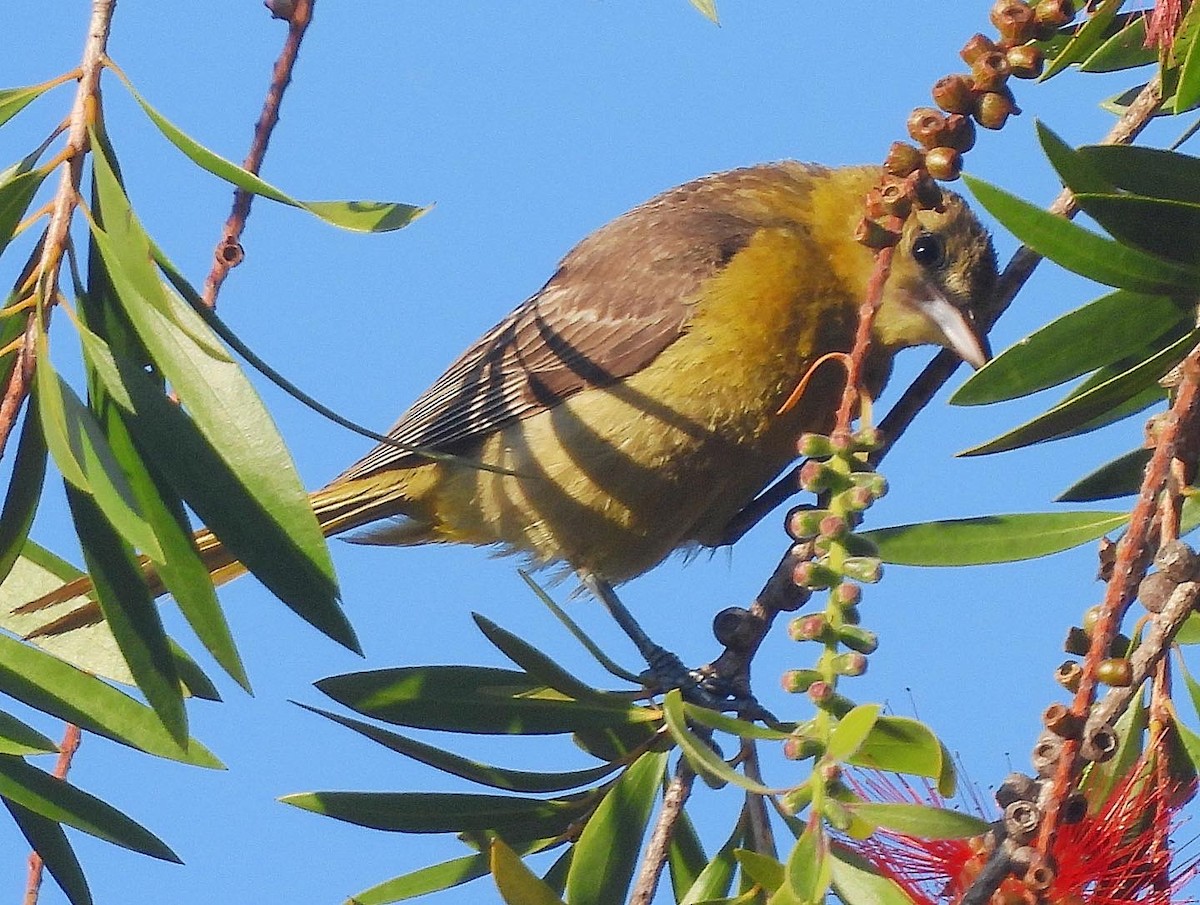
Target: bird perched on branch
<point x="631" y="406"/>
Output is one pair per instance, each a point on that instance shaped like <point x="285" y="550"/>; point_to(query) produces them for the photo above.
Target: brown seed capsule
<point x="1068" y="675"/>
<point x="1177" y="559"/>
<point x="1155" y="590"/>
<point x="990" y="71"/>
<point x="902" y="159"/>
<point x="1074" y="808"/>
<point x="1077" y="642"/>
<point x="943" y="163"/>
<point x="925" y="192"/>
<point x="926" y="126"/>
<point x="1021" y="820"/>
<point x="1025" y="61"/>
<point x="960" y="133"/>
<point x="1046" y="753"/>
<point x="1099" y="743"/>
<point x="954" y="94"/>
<point x="1107" y="554"/>
<point x="893" y="201"/>
<point x="994" y="109"/>
<point x="874" y="234"/>
<point x="1040" y="875"/>
<point x="1014" y="19"/>
<point x="1017" y="787"/>
<point x="1054" y="13"/>
<point x="976" y="47"/>
<point x="1059" y="719"/>
<point x="1116" y="671"/>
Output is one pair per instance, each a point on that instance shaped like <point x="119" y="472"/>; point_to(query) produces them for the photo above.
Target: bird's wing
<point x="617" y="300"/>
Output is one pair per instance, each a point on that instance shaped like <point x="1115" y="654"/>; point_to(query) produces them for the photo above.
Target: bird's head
<point x="943" y="273"/>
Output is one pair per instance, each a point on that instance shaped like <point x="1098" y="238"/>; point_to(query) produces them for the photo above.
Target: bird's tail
<point x="339" y="507"/>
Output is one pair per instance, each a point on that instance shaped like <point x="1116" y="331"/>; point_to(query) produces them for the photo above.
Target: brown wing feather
<point x="617" y="300"/>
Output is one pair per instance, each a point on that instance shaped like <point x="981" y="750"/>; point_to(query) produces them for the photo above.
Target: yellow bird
<point x="630" y="407"/>
<point x="634" y="398"/>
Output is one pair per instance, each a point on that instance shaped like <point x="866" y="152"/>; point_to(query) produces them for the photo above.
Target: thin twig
<point x="229" y="253"/>
<point x="655" y="857"/>
<point x="66" y="196"/>
<point x="66" y="751"/>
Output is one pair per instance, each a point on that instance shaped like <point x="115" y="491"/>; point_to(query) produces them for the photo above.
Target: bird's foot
<point x="665" y="671"/>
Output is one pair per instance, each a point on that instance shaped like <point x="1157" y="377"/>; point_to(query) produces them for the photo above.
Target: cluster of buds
<point x="943" y="134"/>
<point x="840" y="563"/>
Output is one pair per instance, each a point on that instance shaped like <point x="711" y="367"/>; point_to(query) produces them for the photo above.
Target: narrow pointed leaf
<point x="59" y="689"/>
<point x="441" y="812"/>
<point x="1082" y="251"/>
<point x="473" y="699"/>
<point x="919" y="820"/>
<point x="685" y="856"/>
<point x="14" y="100"/>
<point x="484" y="774"/>
<point x="16" y="193"/>
<point x="1120" y="477"/>
<point x="1073" y="168"/>
<point x="19" y="739"/>
<point x="421" y="882"/>
<point x="518" y="885"/>
<point x="84" y="457"/>
<point x="1124" y="50"/>
<point x="708" y="8"/>
<point x="1159" y="226"/>
<point x="46" y="837"/>
<point x="700" y="754"/>
<point x="808" y="867"/>
<point x="1071" y="414"/>
<point x="1090" y="36"/>
<point x="767" y="872"/>
<point x="607" y="851"/>
<point x="130" y="612"/>
<point x="1100" y="333"/>
<point x="898" y="744"/>
<point x="858" y="882"/>
<point x="716" y="878"/>
<point x="851" y="731"/>
<point x="741" y="728"/>
<point x="362" y="216"/>
<point x="1152" y="172"/>
<point x="62" y="802"/>
<point x="1187" y="90"/>
<point x="24" y="491"/>
<point x="991" y="538"/>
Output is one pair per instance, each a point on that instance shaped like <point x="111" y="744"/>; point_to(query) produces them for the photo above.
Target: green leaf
<point x="1080" y="250"/>
<point x="1101" y="778"/>
<point x="46" y="837"/>
<point x="850" y="732"/>
<point x="764" y="870"/>
<point x="1120" y="477"/>
<point x="485" y="774"/>
<point x="708" y="8"/>
<point x="421" y="882"/>
<point x="920" y="820"/>
<point x="1070" y="415"/>
<point x="517" y="884"/>
<point x="1124" y="50"/>
<point x="182" y="571"/>
<point x="24" y="491"/>
<point x="19" y="739"/>
<point x="541" y="667"/>
<point x="606" y="853"/>
<point x="1100" y="333"/>
<point x="58" y="800"/>
<point x="1159" y="226"/>
<point x="898" y="744"/>
<point x="1152" y="172"/>
<point x="699" y="753"/>
<point x="14" y="100"/>
<point x="1086" y="40"/>
<point x="1187" y="90"/>
<point x="16" y="193"/>
<point x="1189" y="632"/>
<point x="84" y="457"/>
<point x="1074" y="170"/>
<point x="741" y="728"/>
<point x="59" y="689"/>
<point x="287" y="551"/>
<point x="991" y="538"/>
<point x="858" y="882"/>
<point x="473" y="699"/>
<point x="130" y="612"/>
<point x="808" y="868"/>
<point x="685" y="856"/>
<point x="443" y="812"/>
<point x="714" y="881"/>
<point x="1193" y="687"/>
<point x="362" y="216"/>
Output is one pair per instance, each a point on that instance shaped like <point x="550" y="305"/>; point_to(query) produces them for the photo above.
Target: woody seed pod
<point x="975" y="48"/>
<point x="1054" y="13"/>
<point x="926" y="126"/>
<point x="1014" y="19"/>
<point x="943" y="163"/>
<point x="1115" y="671"/>
<point x="954" y="94"/>
<point x="1025" y="61"/>
<point x="902" y="159"/>
<point x="994" y="109"/>
<point x="990" y="71"/>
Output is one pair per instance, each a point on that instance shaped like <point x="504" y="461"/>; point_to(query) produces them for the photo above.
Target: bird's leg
<point x="726" y="688"/>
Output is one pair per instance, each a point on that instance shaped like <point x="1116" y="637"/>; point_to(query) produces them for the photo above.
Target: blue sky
<point x="529" y="125"/>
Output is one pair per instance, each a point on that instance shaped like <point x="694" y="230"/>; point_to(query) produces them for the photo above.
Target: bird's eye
<point x="928" y="251"/>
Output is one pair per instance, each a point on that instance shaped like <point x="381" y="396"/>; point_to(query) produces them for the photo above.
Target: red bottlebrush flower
<point x="1163" y="24"/>
<point x="1117" y="855"/>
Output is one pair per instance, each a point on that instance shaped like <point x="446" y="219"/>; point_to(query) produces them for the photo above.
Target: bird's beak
<point x="959" y="331"/>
